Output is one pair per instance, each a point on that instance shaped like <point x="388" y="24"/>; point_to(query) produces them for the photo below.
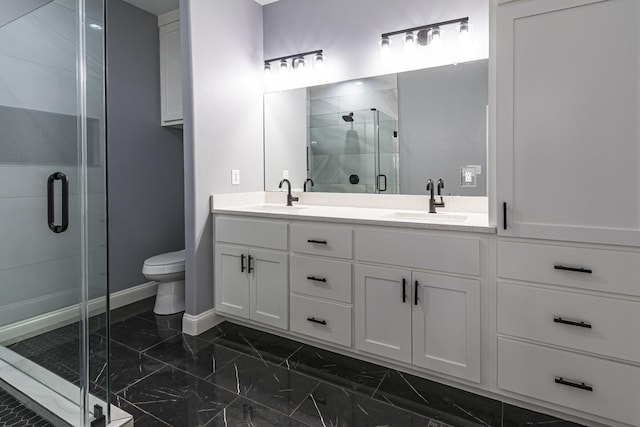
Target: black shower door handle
<point x="58" y="176"/>
<point x="385" y="182"/>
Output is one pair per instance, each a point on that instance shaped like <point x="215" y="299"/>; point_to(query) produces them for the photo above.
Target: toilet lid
<point x="170" y="262"/>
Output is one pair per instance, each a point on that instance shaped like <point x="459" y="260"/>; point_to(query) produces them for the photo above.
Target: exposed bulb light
<point x="318" y="61"/>
<point x="423" y="35"/>
<point x="283" y="67"/>
<point x="409" y="44"/>
<point x="385" y="49"/>
<point x="298" y="63"/>
<point x="435" y="37"/>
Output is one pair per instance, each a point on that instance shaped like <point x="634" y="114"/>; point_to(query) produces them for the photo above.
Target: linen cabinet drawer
<point x="262" y="233"/>
<point x="324" y="320"/>
<point x="585" y="268"/>
<point x="601" y="325"/>
<point x="419" y="250"/>
<point x="589" y="384"/>
<point x="322" y="239"/>
<point x="324" y="278"/>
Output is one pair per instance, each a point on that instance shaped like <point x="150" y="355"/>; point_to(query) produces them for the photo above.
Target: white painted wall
<point x="223" y="108"/>
<point x="349" y="33"/>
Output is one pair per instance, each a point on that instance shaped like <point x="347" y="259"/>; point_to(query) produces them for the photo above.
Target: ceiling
<point x="158" y="7"/>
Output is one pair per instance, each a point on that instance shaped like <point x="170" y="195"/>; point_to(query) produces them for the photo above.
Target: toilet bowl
<point x="168" y="270"/>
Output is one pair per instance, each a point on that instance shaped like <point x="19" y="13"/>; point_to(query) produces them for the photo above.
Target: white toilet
<point x="168" y="270"/>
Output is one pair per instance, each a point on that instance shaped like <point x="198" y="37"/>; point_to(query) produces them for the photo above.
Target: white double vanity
<point x="539" y="306"/>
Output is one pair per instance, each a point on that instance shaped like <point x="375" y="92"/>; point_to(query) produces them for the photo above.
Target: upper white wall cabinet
<point x="170" y="69"/>
<point x="568" y="102"/>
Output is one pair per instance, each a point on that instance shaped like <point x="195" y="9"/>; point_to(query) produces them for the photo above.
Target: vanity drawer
<point x="419" y="250"/>
<point x="324" y="278"/>
<point x="609" y="326"/>
<point x="262" y="233"/>
<point x="322" y="239"/>
<point x="602" y="269"/>
<point x="533" y="370"/>
<point x="324" y="320"/>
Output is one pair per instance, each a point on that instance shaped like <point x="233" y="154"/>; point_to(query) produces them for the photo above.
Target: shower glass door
<point x="54" y="305"/>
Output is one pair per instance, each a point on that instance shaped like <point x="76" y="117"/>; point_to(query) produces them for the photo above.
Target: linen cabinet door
<point x="231" y="280"/>
<point x="568" y="141"/>
<point x="446" y="325"/>
<point x="269" y="285"/>
<point x="383" y="312"/>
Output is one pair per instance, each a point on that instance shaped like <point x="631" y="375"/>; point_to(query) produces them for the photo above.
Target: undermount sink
<point x="276" y="208"/>
<point x="426" y="216"/>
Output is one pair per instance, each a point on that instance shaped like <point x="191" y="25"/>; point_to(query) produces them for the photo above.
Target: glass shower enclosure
<point x="353" y="152"/>
<point x="54" y="336"/>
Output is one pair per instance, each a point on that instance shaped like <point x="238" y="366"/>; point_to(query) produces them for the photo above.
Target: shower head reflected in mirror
<point x="348" y="118"/>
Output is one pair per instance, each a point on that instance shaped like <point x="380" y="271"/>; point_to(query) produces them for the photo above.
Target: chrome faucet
<point x="290" y="198"/>
<point x="440" y="204"/>
<point x="304" y="187"/>
<point x="432" y="199"/>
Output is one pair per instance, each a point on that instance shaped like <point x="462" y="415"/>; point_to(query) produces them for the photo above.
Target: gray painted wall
<point x="443" y="126"/>
<point x="145" y="160"/>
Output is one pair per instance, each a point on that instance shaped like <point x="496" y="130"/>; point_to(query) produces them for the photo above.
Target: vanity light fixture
<point x="429" y="34"/>
<point x="298" y="61"/>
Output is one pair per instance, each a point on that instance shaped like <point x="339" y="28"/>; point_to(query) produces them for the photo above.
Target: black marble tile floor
<point x="235" y="376"/>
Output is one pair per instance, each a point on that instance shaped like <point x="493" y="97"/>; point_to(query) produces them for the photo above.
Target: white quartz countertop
<point x="407" y="218"/>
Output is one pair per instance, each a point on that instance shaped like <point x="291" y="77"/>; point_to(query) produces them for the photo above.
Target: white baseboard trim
<point x="55" y="319"/>
<point x="195" y="325"/>
<point x="133" y="294"/>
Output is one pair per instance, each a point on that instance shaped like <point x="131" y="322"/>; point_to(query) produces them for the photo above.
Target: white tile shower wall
<point x="40" y="270"/>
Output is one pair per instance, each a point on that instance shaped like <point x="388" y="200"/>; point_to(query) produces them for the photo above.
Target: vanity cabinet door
<point x="446" y="325"/>
<point x="382" y="312"/>
<point x="269" y="288"/>
<point x="231" y="281"/>
<point x="568" y="141"/>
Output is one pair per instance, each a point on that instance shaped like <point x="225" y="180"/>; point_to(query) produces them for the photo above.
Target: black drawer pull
<point x="249" y="267"/>
<point x="415" y="294"/>
<point x="575" y="269"/>
<point x="580" y="385"/>
<point x="404" y="290"/>
<point x="571" y="322"/>
<point x="242" y="267"/>
<point x="317" y="279"/>
<point x="314" y="320"/>
<point x="317" y="242"/>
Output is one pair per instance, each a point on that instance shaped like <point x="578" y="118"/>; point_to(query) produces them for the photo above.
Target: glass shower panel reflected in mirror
<point x="53" y="311"/>
<point x="352" y="136"/>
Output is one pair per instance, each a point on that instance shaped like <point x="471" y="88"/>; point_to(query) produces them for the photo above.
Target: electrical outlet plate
<point x="235" y="176"/>
<point x="468" y="176"/>
<point x="285" y="174"/>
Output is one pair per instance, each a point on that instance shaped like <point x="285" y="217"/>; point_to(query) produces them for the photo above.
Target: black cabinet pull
<point x="571" y="322"/>
<point x="504" y="215"/>
<point x="575" y="269"/>
<point x="58" y="176"/>
<point x="415" y="293"/>
<point x="242" y="263"/>
<point x="249" y="267"/>
<point x="314" y="320"/>
<point x="404" y="290"/>
<point x="580" y="385"/>
<point x="317" y="279"/>
<point x="317" y="242"/>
